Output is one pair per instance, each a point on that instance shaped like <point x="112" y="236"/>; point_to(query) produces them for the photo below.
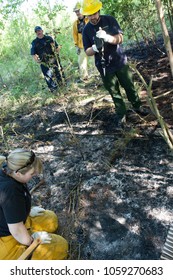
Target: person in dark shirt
<point x="102" y="37"/>
<point x="45" y="51"/>
<point x="20" y="223"/>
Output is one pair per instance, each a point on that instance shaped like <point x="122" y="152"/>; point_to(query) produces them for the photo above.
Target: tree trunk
<point x="165" y="33"/>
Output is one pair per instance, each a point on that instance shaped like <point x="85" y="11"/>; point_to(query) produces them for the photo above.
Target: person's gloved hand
<point x="94" y="47"/>
<point x="78" y="50"/>
<point x="44" y="236"/>
<point x="36" y="211"/>
<point x="101" y="34"/>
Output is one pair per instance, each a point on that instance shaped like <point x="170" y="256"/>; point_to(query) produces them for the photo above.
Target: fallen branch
<point x="3" y="138"/>
<point x="167" y="135"/>
<point x="76" y="141"/>
<point x="37" y="186"/>
<point x="163" y="94"/>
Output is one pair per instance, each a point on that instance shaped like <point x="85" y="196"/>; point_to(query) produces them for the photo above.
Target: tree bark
<point x="165" y="33"/>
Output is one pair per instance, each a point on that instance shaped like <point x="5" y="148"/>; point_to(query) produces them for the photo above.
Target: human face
<point x="25" y="178"/>
<point x="39" y="34"/>
<point x="79" y="15"/>
<point x="94" y="19"/>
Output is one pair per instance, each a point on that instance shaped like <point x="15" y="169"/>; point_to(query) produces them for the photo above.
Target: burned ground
<point x="112" y="190"/>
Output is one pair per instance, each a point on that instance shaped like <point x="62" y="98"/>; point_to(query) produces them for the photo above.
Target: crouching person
<point x="19" y="223"/>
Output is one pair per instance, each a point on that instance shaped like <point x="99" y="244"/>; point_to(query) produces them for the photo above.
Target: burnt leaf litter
<point x="112" y="190"/>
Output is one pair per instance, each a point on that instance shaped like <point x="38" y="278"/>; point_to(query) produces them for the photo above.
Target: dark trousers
<point x="112" y="82"/>
<point x="53" y="74"/>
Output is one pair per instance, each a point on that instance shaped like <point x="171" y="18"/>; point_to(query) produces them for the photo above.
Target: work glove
<point x="94" y="47"/>
<point x="44" y="236"/>
<point x="36" y="211"/>
<point x="78" y="50"/>
<point x="101" y="34"/>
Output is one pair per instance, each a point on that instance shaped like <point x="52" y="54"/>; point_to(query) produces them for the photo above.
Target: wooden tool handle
<point x="30" y="249"/>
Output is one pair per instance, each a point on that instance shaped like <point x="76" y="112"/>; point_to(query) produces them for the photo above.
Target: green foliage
<point x="137" y="18"/>
<point x="46" y="14"/>
<point x="10" y="7"/>
<point x="7" y="9"/>
<point x="21" y="74"/>
<point x="44" y="9"/>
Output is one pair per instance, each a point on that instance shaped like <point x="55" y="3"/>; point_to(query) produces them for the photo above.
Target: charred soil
<point x="112" y="190"/>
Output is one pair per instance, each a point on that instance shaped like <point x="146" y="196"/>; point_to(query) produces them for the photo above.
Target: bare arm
<point x="90" y="52"/>
<point x="20" y="233"/>
<point x="36" y="58"/>
<point x="116" y="39"/>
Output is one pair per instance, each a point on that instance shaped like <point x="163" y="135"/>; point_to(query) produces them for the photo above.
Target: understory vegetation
<point x="99" y="181"/>
<point x="20" y="75"/>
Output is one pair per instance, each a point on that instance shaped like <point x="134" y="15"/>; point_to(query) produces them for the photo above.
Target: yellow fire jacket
<point x="77" y="37"/>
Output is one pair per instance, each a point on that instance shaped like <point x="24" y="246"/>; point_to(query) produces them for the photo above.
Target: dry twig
<point x="166" y="133"/>
<point x="37" y="186"/>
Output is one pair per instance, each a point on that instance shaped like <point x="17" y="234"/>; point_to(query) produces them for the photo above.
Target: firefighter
<point x="45" y="51"/>
<point x="102" y="38"/>
<point x="19" y="223"/>
<point x="78" y="27"/>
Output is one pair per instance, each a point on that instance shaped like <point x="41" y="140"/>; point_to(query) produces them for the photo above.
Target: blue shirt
<point x="42" y="47"/>
<point x="114" y="57"/>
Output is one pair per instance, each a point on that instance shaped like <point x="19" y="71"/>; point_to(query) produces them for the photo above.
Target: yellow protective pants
<point x="11" y="249"/>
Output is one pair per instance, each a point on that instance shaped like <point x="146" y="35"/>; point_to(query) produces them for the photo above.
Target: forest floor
<point x="112" y="190"/>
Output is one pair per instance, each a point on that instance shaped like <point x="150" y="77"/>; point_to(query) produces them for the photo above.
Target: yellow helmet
<point x="77" y="7"/>
<point x="90" y="7"/>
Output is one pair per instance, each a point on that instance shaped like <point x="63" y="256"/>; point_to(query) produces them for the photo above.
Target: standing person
<point x="45" y="51"/>
<point x="78" y="27"/>
<point x="102" y="37"/>
<point x="19" y="223"/>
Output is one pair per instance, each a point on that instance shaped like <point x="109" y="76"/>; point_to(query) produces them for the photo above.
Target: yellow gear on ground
<point x="38" y="223"/>
<point x="57" y="249"/>
<point x="77" y="7"/>
<point x="90" y="7"/>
